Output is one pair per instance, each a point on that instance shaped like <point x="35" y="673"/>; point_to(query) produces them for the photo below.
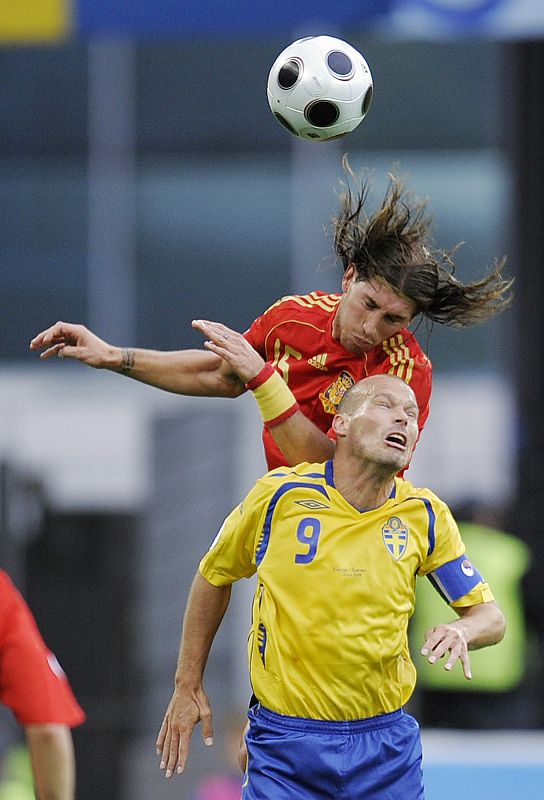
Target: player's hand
<point x="448" y="638"/>
<point x="184" y="711"/>
<point x="70" y="340"/>
<point x="242" y="358"/>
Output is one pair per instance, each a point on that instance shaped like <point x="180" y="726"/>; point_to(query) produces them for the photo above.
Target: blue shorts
<point x="376" y="759"/>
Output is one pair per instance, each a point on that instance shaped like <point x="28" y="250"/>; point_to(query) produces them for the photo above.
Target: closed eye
<point x="395" y="320"/>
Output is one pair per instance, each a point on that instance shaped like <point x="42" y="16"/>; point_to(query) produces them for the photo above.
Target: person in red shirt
<point x="319" y="344"/>
<point x="297" y="336"/>
<point x="34" y="686"/>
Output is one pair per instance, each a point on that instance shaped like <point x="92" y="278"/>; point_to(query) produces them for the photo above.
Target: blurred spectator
<point x="498" y="695"/>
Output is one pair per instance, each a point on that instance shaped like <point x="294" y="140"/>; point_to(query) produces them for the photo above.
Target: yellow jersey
<point x="336" y="589"/>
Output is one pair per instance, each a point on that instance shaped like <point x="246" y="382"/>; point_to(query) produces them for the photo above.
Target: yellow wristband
<point x="275" y="400"/>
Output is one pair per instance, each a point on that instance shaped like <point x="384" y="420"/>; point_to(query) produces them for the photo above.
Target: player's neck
<point x="364" y="487"/>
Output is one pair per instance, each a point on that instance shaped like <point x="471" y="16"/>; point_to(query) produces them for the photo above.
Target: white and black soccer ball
<point x="319" y="88"/>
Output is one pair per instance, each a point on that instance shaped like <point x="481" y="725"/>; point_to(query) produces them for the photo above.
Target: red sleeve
<point x="32" y="682"/>
<point x="257" y="332"/>
<point x="261" y="327"/>
<point x="422" y="382"/>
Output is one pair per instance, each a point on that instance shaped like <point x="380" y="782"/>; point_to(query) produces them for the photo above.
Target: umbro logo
<point x="313" y="504"/>
<point x="319" y="361"/>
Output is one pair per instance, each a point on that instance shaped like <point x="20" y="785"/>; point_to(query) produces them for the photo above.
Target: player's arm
<point x="189" y="704"/>
<point x="296" y="436"/>
<point x="189" y="372"/>
<point x="478" y="626"/>
<point x="300" y="440"/>
<point x="230" y="558"/>
<point x="52" y="758"/>
<point x="481" y="622"/>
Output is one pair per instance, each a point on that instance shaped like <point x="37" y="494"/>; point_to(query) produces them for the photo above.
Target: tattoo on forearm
<point x="128" y="359"/>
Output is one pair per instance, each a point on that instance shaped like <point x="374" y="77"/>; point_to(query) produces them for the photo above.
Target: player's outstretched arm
<point x="296" y="436"/>
<point x="300" y="440"/>
<point x="478" y="626"/>
<point x="190" y="372"/>
<point x="189" y="704"/>
<point x="53" y="763"/>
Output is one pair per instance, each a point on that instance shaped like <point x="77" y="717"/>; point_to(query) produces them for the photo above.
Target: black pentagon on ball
<point x="340" y="64"/>
<point x="285" y="124"/>
<point x="367" y="99"/>
<point x="322" y="113"/>
<point x="289" y="74"/>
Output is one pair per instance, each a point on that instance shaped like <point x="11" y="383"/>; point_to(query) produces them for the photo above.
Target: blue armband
<point x="456" y="578"/>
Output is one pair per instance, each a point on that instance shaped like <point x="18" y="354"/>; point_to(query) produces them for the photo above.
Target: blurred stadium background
<point x="144" y="182"/>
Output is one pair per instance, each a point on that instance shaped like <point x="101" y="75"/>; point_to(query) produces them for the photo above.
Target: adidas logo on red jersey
<point x="319" y="361"/>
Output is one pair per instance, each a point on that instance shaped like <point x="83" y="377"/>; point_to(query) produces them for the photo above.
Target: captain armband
<point x="456" y="578"/>
<point x="275" y="400"/>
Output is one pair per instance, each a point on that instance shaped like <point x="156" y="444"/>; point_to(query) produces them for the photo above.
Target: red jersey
<point x="32" y="682"/>
<point x="295" y="335"/>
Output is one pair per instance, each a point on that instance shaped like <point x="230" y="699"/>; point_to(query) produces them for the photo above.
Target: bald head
<point x="376" y="424"/>
<point x="369" y="387"/>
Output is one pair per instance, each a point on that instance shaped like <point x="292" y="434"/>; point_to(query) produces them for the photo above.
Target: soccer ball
<point x="319" y="88"/>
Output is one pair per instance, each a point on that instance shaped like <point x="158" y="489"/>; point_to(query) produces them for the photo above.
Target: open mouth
<point x="397" y="440"/>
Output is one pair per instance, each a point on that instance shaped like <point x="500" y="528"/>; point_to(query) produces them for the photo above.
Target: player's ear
<point x="348" y="277"/>
<point x="340" y="425"/>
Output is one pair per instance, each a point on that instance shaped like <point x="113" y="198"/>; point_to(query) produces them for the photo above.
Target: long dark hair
<point x="393" y="244"/>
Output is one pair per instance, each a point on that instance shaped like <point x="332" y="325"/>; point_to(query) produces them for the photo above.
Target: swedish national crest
<point x="395" y="537"/>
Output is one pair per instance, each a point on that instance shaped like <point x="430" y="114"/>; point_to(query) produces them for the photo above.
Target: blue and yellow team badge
<point x="395" y="537"/>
